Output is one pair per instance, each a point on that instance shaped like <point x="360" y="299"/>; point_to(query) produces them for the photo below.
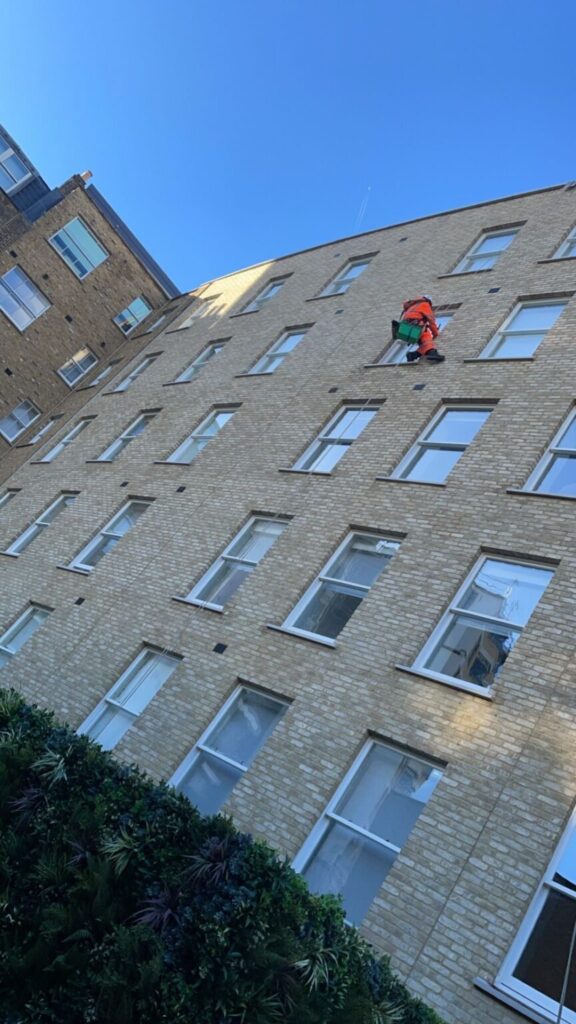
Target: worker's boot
<point x="411" y="357"/>
<point x="434" y="356"/>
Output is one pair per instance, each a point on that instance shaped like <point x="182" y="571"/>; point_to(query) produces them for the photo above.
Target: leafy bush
<point x="120" y="904"/>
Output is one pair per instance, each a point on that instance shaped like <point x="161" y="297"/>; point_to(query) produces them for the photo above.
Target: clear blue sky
<point x="232" y="131"/>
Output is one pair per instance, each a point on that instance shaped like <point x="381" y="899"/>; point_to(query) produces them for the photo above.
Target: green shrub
<point x="120" y="904"/>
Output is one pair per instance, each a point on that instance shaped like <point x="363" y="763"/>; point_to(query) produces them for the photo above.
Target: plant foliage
<point x="120" y="904"/>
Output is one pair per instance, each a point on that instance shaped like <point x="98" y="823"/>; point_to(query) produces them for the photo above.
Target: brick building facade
<point x="378" y="674"/>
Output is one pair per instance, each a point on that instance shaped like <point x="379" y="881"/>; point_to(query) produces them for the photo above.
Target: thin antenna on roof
<point x="363" y="207"/>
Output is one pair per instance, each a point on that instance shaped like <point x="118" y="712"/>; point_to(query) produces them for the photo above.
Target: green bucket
<point x="409" y="332"/>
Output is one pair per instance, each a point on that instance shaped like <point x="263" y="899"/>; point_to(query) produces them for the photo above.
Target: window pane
<point x="565" y="873"/>
<point x="560" y="477"/>
<point x="480" y="263"/>
<point x="127" y="519"/>
<point x="21" y="631"/>
<point x="458" y="426"/>
<point x="388" y="793"/>
<point x="536" y="318"/>
<point x="351" y="423"/>
<point x="13" y="309"/>
<point x="289" y="342"/>
<point x="471" y="651"/>
<point x="245" y="727"/>
<point x="86" y="242"/>
<point x="224" y="584"/>
<point x="188" y="450"/>
<point x="516" y="346"/>
<point x="495" y="243"/>
<point x="15" y="168"/>
<point x="25" y="291"/>
<point x="543" y="962"/>
<point x="257" y="540"/>
<point x="328" y="611"/>
<point x="323" y="457"/>
<point x="432" y="465"/>
<point x="362" y="560"/>
<point x="568" y="439"/>
<point x="136" y="689"/>
<point x="209" y="783"/>
<point x="110" y="726"/>
<point x="102" y="546"/>
<point x="6" y="183"/>
<point x="353" y="865"/>
<point x="506" y="590"/>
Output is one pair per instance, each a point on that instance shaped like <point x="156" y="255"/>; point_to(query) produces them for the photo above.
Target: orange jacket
<point x="421" y="311"/>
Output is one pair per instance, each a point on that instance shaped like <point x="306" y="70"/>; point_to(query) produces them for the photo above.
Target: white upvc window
<point x="17" y="421"/>
<point x="20" y="631"/>
<point x="129" y="379"/>
<point x="442" y="443"/>
<point x="78" y="247"/>
<point x="41" y="523"/>
<point x="68" y="438"/>
<point x="44" y="430"/>
<point x="276" y="355"/>
<point x="268" y="292"/>
<point x="219" y="584"/>
<point x="341" y="586"/>
<point x="13" y="172"/>
<point x="346" y="276"/>
<point x="104" y="373"/>
<point x="398" y="350"/>
<point x="355" y="843"/>
<point x="556" y="470"/>
<point x="130" y="317"/>
<point x="333" y="442"/>
<point x="524" y="330"/>
<point x="539" y="969"/>
<point x="78" y="366"/>
<point x="126" y="437"/>
<point x="107" y="538"/>
<point x="7" y="497"/>
<point x="224" y="753"/>
<point x="202" y="308"/>
<point x="470" y="644"/>
<point x="199" y="438"/>
<point x="20" y="299"/>
<point x="486" y="251"/>
<point x="130" y="695"/>
<point x="155" y="324"/>
<point x="205" y="356"/>
<point x="568" y="247"/>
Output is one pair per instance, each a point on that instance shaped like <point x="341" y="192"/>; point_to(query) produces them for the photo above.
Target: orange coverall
<point x="421" y="312"/>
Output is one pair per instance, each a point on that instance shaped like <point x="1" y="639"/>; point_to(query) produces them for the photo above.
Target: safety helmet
<point x="427" y="298"/>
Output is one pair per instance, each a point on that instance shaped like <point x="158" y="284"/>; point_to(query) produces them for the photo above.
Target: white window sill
<point x="401" y="480"/>
<point x="372" y="366"/>
<point x="263" y="373"/>
<point x="500" y="359"/>
<point x="301" y="635"/>
<point x="466" y="273"/>
<point x="205" y="605"/>
<point x="502" y="997"/>
<point x="540" y="494"/>
<point x="453" y="684"/>
<point x="304" y="472"/>
<point x="9" y="554"/>
<point x="72" y="568"/>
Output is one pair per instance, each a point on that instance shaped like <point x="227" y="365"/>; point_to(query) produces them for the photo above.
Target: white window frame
<point x="12" y="631"/>
<point x="201" y="310"/>
<point x="67" y="440"/>
<point x="75" y="361"/>
<point x="505" y="980"/>
<point x="325" y="577"/>
<point x="343" y="278"/>
<point x="466" y="264"/>
<point x="120" y="443"/>
<point x="272" y="354"/>
<point x="396" y="353"/>
<point x="5" y="154"/>
<point x="193" y="369"/>
<point x="270" y="290"/>
<point x="6" y="498"/>
<point x="489" y="352"/>
<point x="453" y="612"/>
<point x="19" y="302"/>
<point x="202" y="745"/>
<point x="226" y="557"/>
<point x="200" y="434"/>
<point x="106" y="531"/>
<point x="412" y="457"/>
<point x="127" y="313"/>
<point x="24" y="426"/>
<point x="328" y="816"/>
<point x="44" y="430"/>
<point x="325" y="436"/>
<point x="68" y="238"/>
<point x="553" y="451"/>
<point x="105" y="372"/>
<point x="133" y="375"/>
<point x="108" y="699"/>
<point x="29" y="535"/>
<point x="155" y="324"/>
<point x="567" y="250"/>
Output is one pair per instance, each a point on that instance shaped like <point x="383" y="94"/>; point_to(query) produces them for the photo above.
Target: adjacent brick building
<point x="333" y="594"/>
<point x="68" y="268"/>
